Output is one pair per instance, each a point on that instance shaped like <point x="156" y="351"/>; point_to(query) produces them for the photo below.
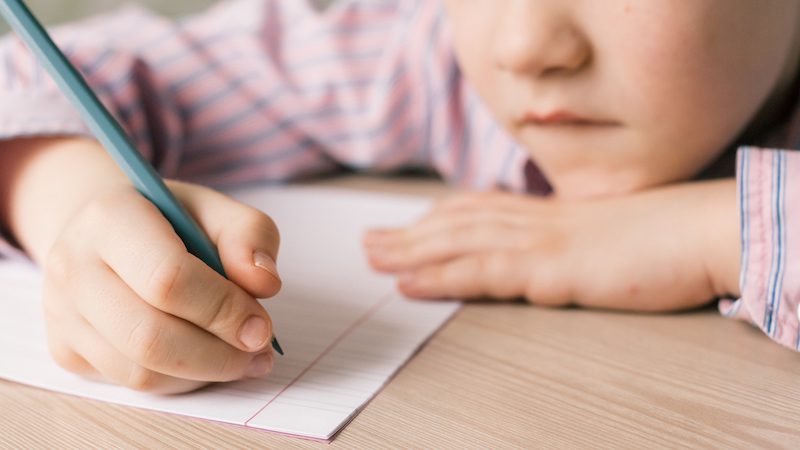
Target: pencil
<point x="111" y="135"/>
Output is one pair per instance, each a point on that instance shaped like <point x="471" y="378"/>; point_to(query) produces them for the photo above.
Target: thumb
<point x="246" y="238"/>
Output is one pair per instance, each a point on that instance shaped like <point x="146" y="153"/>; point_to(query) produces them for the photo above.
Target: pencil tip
<point x="277" y="346"/>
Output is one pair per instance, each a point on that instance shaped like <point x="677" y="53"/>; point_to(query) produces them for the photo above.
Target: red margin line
<point x="366" y="316"/>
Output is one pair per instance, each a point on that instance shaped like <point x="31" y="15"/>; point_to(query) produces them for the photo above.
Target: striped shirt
<point x="265" y="91"/>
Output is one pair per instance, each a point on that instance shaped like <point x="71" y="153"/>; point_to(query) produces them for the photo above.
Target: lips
<point x="563" y="118"/>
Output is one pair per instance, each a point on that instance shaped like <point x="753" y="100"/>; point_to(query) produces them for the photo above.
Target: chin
<point x="587" y="186"/>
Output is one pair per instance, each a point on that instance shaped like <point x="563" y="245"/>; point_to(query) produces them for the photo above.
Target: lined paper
<point x="345" y="329"/>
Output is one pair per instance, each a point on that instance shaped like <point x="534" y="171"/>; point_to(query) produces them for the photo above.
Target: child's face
<point x="613" y="96"/>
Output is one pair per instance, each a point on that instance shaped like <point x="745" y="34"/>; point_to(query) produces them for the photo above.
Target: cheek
<point x="698" y="83"/>
<point x="471" y="25"/>
<point x="681" y="115"/>
<point x="680" y="104"/>
<point x="665" y="103"/>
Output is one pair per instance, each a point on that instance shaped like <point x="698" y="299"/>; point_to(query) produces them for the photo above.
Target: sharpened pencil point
<point x="277" y="346"/>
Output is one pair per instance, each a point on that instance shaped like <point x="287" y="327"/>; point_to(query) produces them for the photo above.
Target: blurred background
<point x="55" y="11"/>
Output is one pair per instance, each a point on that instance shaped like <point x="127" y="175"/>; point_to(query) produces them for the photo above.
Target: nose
<point x="537" y="38"/>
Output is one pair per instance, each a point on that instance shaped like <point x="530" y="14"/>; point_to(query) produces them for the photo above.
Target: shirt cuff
<point x="770" y="273"/>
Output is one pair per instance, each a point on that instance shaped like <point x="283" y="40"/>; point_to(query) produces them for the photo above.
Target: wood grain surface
<point x="504" y="376"/>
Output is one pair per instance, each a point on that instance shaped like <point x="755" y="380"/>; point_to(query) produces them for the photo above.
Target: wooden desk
<point x="505" y="376"/>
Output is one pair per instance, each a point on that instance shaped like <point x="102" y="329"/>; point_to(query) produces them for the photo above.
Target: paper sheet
<point x="345" y="329"/>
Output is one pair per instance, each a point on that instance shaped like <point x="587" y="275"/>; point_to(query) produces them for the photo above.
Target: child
<point x="601" y="111"/>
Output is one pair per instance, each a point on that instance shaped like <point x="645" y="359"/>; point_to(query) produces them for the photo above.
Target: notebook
<point x="346" y="330"/>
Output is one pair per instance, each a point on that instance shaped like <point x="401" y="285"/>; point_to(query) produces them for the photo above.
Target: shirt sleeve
<point x="769" y="184"/>
<point x="108" y="50"/>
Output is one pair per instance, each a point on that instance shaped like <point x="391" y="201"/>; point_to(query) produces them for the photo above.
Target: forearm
<point x="44" y="181"/>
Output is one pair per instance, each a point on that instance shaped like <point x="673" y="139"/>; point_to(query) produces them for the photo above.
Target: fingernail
<point x="265" y="262"/>
<point x="254" y="332"/>
<point x="260" y="365"/>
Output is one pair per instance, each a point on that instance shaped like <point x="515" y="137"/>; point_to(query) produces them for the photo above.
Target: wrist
<point x="46" y="180"/>
<point x="721" y="237"/>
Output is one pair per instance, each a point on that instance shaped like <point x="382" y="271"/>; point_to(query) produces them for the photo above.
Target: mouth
<point x="562" y="118"/>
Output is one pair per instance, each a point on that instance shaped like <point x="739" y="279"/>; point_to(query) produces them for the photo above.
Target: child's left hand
<point x="669" y="248"/>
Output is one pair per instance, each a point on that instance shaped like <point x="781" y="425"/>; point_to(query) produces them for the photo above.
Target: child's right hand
<point x="126" y="303"/>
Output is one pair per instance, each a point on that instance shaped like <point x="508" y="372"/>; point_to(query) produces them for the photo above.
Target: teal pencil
<point x="114" y="139"/>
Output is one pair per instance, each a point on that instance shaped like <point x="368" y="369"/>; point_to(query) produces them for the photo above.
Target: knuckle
<point x="147" y="344"/>
<point x="164" y="279"/>
<point x="543" y="288"/>
<point x="67" y="359"/>
<point x="227" y="368"/>
<point x="102" y="209"/>
<point x="261" y="222"/>
<point x="493" y="264"/>
<point x="443" y="246"/>
<point x="141" y="379"/>
<point x="501" y="276"/>
<point x="411" y="254"/>
<point x="221" y="314"/>
<point x="547" y="240"/>
<point x="59" y="266"/>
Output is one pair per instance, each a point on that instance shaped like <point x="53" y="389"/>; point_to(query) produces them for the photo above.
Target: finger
<point x="111" y="366"/>
<point x="155" y="264"/>
<point x="247" y="239"/>
<point x="59" y="320"/>
<point x="499" y="275"/>
<point x="496" y="200"/>
<point x="467" y="209"/>
<point x="441" y="223"/>
<point x="68" y="359"/>
<point x="452" y="243"/>
<point x="156" y="340"/>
